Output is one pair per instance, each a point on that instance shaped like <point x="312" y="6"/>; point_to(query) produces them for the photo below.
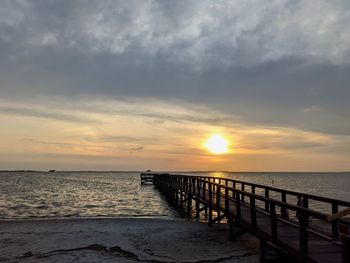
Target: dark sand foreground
<point x="121" y="240"/>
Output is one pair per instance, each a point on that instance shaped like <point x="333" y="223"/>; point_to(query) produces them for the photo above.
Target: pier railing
<point x="263" y="211"/>
<point x="334" y="205"/>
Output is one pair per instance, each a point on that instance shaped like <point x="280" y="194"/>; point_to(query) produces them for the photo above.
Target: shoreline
<point x="121" y="240"/>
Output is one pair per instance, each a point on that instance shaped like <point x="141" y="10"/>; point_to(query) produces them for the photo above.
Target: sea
<point x="28" y="195"/>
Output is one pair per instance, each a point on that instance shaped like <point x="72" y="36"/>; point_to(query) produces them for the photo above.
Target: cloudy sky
<point x="133" y="85"/>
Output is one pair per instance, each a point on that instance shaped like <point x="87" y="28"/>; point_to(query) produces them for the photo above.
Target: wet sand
<point x="121" y="240"/>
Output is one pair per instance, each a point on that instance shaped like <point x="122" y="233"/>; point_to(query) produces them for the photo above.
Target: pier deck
<point x="264" y="212"/>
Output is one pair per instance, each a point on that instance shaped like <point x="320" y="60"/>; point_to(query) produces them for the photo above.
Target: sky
<point x="136" y="85"/>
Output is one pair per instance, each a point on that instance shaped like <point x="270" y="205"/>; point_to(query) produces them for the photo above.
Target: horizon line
<point x="168" y="171"/>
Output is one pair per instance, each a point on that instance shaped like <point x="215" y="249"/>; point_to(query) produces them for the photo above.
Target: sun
<point x="217" y="144"/>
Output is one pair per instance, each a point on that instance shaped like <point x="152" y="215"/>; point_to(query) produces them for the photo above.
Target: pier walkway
<point x="302" y="232"/>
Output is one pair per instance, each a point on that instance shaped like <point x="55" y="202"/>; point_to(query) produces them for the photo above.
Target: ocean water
<point x="120" y="194"/>
<point x="78" y="194"/>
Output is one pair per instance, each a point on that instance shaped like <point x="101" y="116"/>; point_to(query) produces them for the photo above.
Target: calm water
<point x="78" y="194"/>
<point x="113" y="194"/>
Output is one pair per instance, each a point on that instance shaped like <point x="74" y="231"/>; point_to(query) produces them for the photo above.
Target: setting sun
<point x="217" y="144"/>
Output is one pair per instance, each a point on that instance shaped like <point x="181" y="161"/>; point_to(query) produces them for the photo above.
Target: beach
<point x="121" y="240"/>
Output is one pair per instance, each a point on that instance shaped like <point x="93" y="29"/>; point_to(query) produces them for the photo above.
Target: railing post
<point x="267" y="202"/>
<point x="194" y="185"/>
<point x="181" y="199"/>
<point x="210" y="205"/>
<point x="230" y="223"/>
<point x="176" y="197"/>
<point x="306" y="202"/>
<point x="227" y="208"/>
<point x="306" y="205"/>
<point x="335" y="233"/>
<point x="345" y="241"/>
<point x="204" y="190"/>
<point x="273" y="221"/>
<point x="283" y="208"/>
<point x="189" y="205"/>
<point x="218" y="199"/>
<point x="242" y="188"/>
<point x="303" y="237"/>
<point x="252" y="212"/>
<point x="198" y="184"/>
<point x="238" y="207"/>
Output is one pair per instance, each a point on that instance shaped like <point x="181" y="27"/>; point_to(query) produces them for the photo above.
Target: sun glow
<point x="217" y="144"/>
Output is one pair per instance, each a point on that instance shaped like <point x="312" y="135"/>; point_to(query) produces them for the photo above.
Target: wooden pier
<point x="266" y="213"/>
<point x="146" y="178"/>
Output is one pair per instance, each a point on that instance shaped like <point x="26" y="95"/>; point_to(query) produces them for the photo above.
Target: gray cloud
<point x="124" y="140"/>
<point x="202" y="34"/>
<point x="61" y="144"/>
<point x="129" y="140"/>
<point x="47" y="114"/>
<point x="136" y="149"/>
<point x="264" y="61"/>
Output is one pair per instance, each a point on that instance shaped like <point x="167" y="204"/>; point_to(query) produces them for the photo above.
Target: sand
<point x="121" y="240"/>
